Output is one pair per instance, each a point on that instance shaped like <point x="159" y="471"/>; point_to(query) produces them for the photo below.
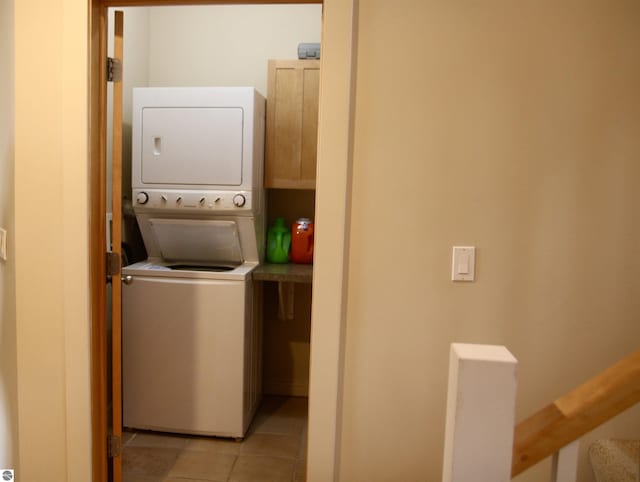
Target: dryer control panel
<point x="213" y="202"/>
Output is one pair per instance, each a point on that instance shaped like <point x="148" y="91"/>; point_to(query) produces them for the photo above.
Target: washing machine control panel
<point x="237" y="202"/>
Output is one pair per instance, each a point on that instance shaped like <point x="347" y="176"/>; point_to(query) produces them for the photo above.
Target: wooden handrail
<point x="576" y="413"/>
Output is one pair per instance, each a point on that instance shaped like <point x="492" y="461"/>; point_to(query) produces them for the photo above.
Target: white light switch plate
<point x="3" y="244"/>
<point x="463" y="265"/>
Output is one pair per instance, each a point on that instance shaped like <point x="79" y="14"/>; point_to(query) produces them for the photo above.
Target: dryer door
<point x="192" y="145"/>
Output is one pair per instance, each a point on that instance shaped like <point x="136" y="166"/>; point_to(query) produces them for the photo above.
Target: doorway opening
<point x="286" y="354"/>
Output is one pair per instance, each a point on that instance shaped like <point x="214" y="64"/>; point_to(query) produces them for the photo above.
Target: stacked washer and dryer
<point x="191" y="337"/>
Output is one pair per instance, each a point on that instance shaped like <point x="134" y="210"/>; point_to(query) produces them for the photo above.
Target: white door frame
<point x="333" y="199"/>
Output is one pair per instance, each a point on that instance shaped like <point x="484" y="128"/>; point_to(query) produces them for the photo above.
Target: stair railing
<point x="480" y="442"/>
<point x="577" y="412"/>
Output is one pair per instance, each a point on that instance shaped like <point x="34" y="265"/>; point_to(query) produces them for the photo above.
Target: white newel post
<point x="480" y="414"/>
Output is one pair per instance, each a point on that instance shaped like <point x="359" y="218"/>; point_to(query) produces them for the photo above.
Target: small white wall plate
<point x="3" y="247"/>
<point x="463" y="265"/>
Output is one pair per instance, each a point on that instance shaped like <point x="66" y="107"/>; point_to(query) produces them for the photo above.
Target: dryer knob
<point x="239" y="200"/>
<point x="142" y="198"/>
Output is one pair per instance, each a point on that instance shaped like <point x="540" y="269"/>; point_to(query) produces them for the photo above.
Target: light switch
<point x="3" y="244"/>
<point x="463" y="265"/>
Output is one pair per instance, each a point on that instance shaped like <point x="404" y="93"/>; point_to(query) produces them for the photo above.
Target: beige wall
<point x="8" y="369"/>
<point x="514" y="127"/>
<point x="226" y="45"/>
<point x="51" y="242"/>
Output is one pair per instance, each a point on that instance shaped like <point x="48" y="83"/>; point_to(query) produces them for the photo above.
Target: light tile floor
<point x="274" y="450"/>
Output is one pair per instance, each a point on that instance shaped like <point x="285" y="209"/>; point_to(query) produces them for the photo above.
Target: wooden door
<point x="115" y="450"/>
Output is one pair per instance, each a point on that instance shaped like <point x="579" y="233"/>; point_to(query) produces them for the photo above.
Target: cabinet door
<point x="292" y="124"/>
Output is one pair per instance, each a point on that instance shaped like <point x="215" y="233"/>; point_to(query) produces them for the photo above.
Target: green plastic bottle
<point x="278" y="242"/>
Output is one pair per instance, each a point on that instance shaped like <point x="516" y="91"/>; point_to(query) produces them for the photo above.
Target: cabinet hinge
<point x="113" y="263"/>
<point x="114" y="70"/>
<point x="113" y="446"/>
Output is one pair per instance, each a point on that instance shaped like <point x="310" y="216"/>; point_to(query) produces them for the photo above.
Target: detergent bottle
<point x="278" y="242"/>
<point x="302" y="241"/>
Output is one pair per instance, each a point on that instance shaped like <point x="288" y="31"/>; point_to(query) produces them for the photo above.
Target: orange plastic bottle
<point x="302" y="241"/>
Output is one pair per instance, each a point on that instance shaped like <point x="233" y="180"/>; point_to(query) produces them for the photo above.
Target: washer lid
<point x="198" y="241"/>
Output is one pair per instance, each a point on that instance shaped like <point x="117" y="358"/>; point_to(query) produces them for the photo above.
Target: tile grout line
<point x="233" y="466"/>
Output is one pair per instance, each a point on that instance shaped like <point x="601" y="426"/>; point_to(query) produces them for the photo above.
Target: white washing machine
<point x="191" y="337"/>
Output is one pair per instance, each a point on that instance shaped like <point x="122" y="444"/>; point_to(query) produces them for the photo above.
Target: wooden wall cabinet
<point x="292" y="124"/>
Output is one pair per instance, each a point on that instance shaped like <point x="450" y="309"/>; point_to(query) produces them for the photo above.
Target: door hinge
<point x="113" y="446"/>
<point x="114" y="70"/>
<point x="113" y="264"/>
